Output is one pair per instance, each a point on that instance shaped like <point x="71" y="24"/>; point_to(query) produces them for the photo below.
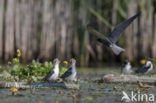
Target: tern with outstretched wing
<point x="113" y="37"/>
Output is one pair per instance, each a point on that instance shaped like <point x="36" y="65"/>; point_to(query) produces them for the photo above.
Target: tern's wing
<point x="67" y="73"/>
<point x="115" y="34"/>
<point x="143" y="69"/>
<point x="51" y="72"/>
<point x="98" y="34"/>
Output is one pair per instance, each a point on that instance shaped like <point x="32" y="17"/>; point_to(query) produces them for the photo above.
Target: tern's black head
<point x="126" y="62"/>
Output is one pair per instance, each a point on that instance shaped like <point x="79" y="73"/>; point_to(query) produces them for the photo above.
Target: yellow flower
<point x="16" y="59"/>
<point x="19" y="54"/>
<point x="13" y="89"/>
<point x="18" y="51"/>
<point x="142" y="61"/>
<point x="9" y="62"/>
<point x="65" y="62"/>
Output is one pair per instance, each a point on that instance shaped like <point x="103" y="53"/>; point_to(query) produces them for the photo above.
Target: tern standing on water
<point x="126" y="68"/>
<point x="148" y="66"/>
<point x="113" y="37"/>
<point x="70" y="74"/>
<point x="53" y="74"/>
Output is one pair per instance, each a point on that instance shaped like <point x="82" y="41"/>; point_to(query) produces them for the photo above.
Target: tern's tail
<point x="116" y="49"/>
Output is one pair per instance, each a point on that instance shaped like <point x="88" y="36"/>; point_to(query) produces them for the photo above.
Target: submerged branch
<point x="128" y="79"/>
<point x="4" y="84"/>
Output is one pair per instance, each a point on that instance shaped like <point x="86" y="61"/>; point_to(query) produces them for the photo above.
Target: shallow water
<point x="89" y="92"/>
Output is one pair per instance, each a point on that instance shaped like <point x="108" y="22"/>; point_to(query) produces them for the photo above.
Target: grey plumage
<point x="70" y="74"/>
<point x="113" y="37"/>
<point x="148" y="66"/>
<point x="53" y="74"/>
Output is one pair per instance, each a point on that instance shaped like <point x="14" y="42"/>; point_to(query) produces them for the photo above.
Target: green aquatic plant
<point x="32" y="71"/>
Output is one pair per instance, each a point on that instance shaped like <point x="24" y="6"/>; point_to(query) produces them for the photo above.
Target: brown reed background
<point x="45" y="29"/>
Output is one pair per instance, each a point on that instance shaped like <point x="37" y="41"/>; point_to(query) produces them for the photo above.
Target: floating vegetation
<point x="29" y="72"/>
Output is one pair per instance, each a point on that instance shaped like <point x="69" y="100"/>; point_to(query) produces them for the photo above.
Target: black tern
<point x="126" y="68"/>
<point x="113" y="37"/>
<point x="70" y="74"/>
<point x="148" y="66"/>
<point x="53" y="74"/>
